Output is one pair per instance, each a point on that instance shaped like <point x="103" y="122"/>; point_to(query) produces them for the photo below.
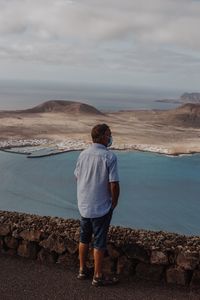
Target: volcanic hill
<point x="61" y="106"/>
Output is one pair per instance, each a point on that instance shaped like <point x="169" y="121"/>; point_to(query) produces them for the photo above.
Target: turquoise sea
<point x="157" y="192"/>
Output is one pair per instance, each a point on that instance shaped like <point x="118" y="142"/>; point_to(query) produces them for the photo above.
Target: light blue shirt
<point x="95" y="168"/>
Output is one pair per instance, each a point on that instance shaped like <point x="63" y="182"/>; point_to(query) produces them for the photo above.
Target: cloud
<point x="155" y="20"/>
<point x="130" y="35"/>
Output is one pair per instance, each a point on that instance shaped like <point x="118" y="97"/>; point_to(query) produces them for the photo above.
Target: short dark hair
<point x="98" y="131"/>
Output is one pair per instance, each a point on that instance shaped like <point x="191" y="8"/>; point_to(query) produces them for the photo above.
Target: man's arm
<point x="115" y="191"/>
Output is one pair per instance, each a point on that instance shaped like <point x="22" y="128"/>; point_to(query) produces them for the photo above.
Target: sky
<point x="136" y="43"/>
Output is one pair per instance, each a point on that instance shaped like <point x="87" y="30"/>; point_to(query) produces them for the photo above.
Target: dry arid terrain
<point x="166" y="131"/>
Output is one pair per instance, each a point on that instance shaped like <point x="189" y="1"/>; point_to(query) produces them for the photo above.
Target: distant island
<point x="191" y="97"/>
<point x="66" y="125"/>
<point x="173" y="101"/>
<point x="184" y="98"/>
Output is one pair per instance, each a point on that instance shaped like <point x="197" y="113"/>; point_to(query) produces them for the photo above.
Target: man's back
<point x="96" y="167"/>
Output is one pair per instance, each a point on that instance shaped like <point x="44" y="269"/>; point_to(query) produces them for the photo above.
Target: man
<point x="97" y="192"/>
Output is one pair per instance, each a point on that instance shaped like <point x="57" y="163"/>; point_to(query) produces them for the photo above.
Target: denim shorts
<point x="97" y="227"/>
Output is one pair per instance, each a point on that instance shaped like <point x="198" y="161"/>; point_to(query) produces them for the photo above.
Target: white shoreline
<point x="28" y="146"/>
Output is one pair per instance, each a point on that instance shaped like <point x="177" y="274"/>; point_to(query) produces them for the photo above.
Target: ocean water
<point x="157" y="192"/>
<point x="26" y="94"/>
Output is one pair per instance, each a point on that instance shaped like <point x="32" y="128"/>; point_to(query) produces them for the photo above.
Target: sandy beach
<point x="67" y="127"/>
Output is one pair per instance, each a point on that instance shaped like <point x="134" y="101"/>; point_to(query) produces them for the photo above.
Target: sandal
<point x="83" y="274"/>
<point x="102" y="281"/>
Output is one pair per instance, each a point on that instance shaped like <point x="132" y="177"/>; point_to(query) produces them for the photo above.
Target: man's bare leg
<point x="98" y="262"/>
<point x="83" y="253"/>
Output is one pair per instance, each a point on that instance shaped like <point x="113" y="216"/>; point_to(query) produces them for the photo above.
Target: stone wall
<point x="139" y="253"/>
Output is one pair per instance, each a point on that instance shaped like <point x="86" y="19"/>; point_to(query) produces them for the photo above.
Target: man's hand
<point x="115" y="191"/>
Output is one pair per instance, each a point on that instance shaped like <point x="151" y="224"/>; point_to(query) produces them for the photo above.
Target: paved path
<point x="26" y="279"/>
